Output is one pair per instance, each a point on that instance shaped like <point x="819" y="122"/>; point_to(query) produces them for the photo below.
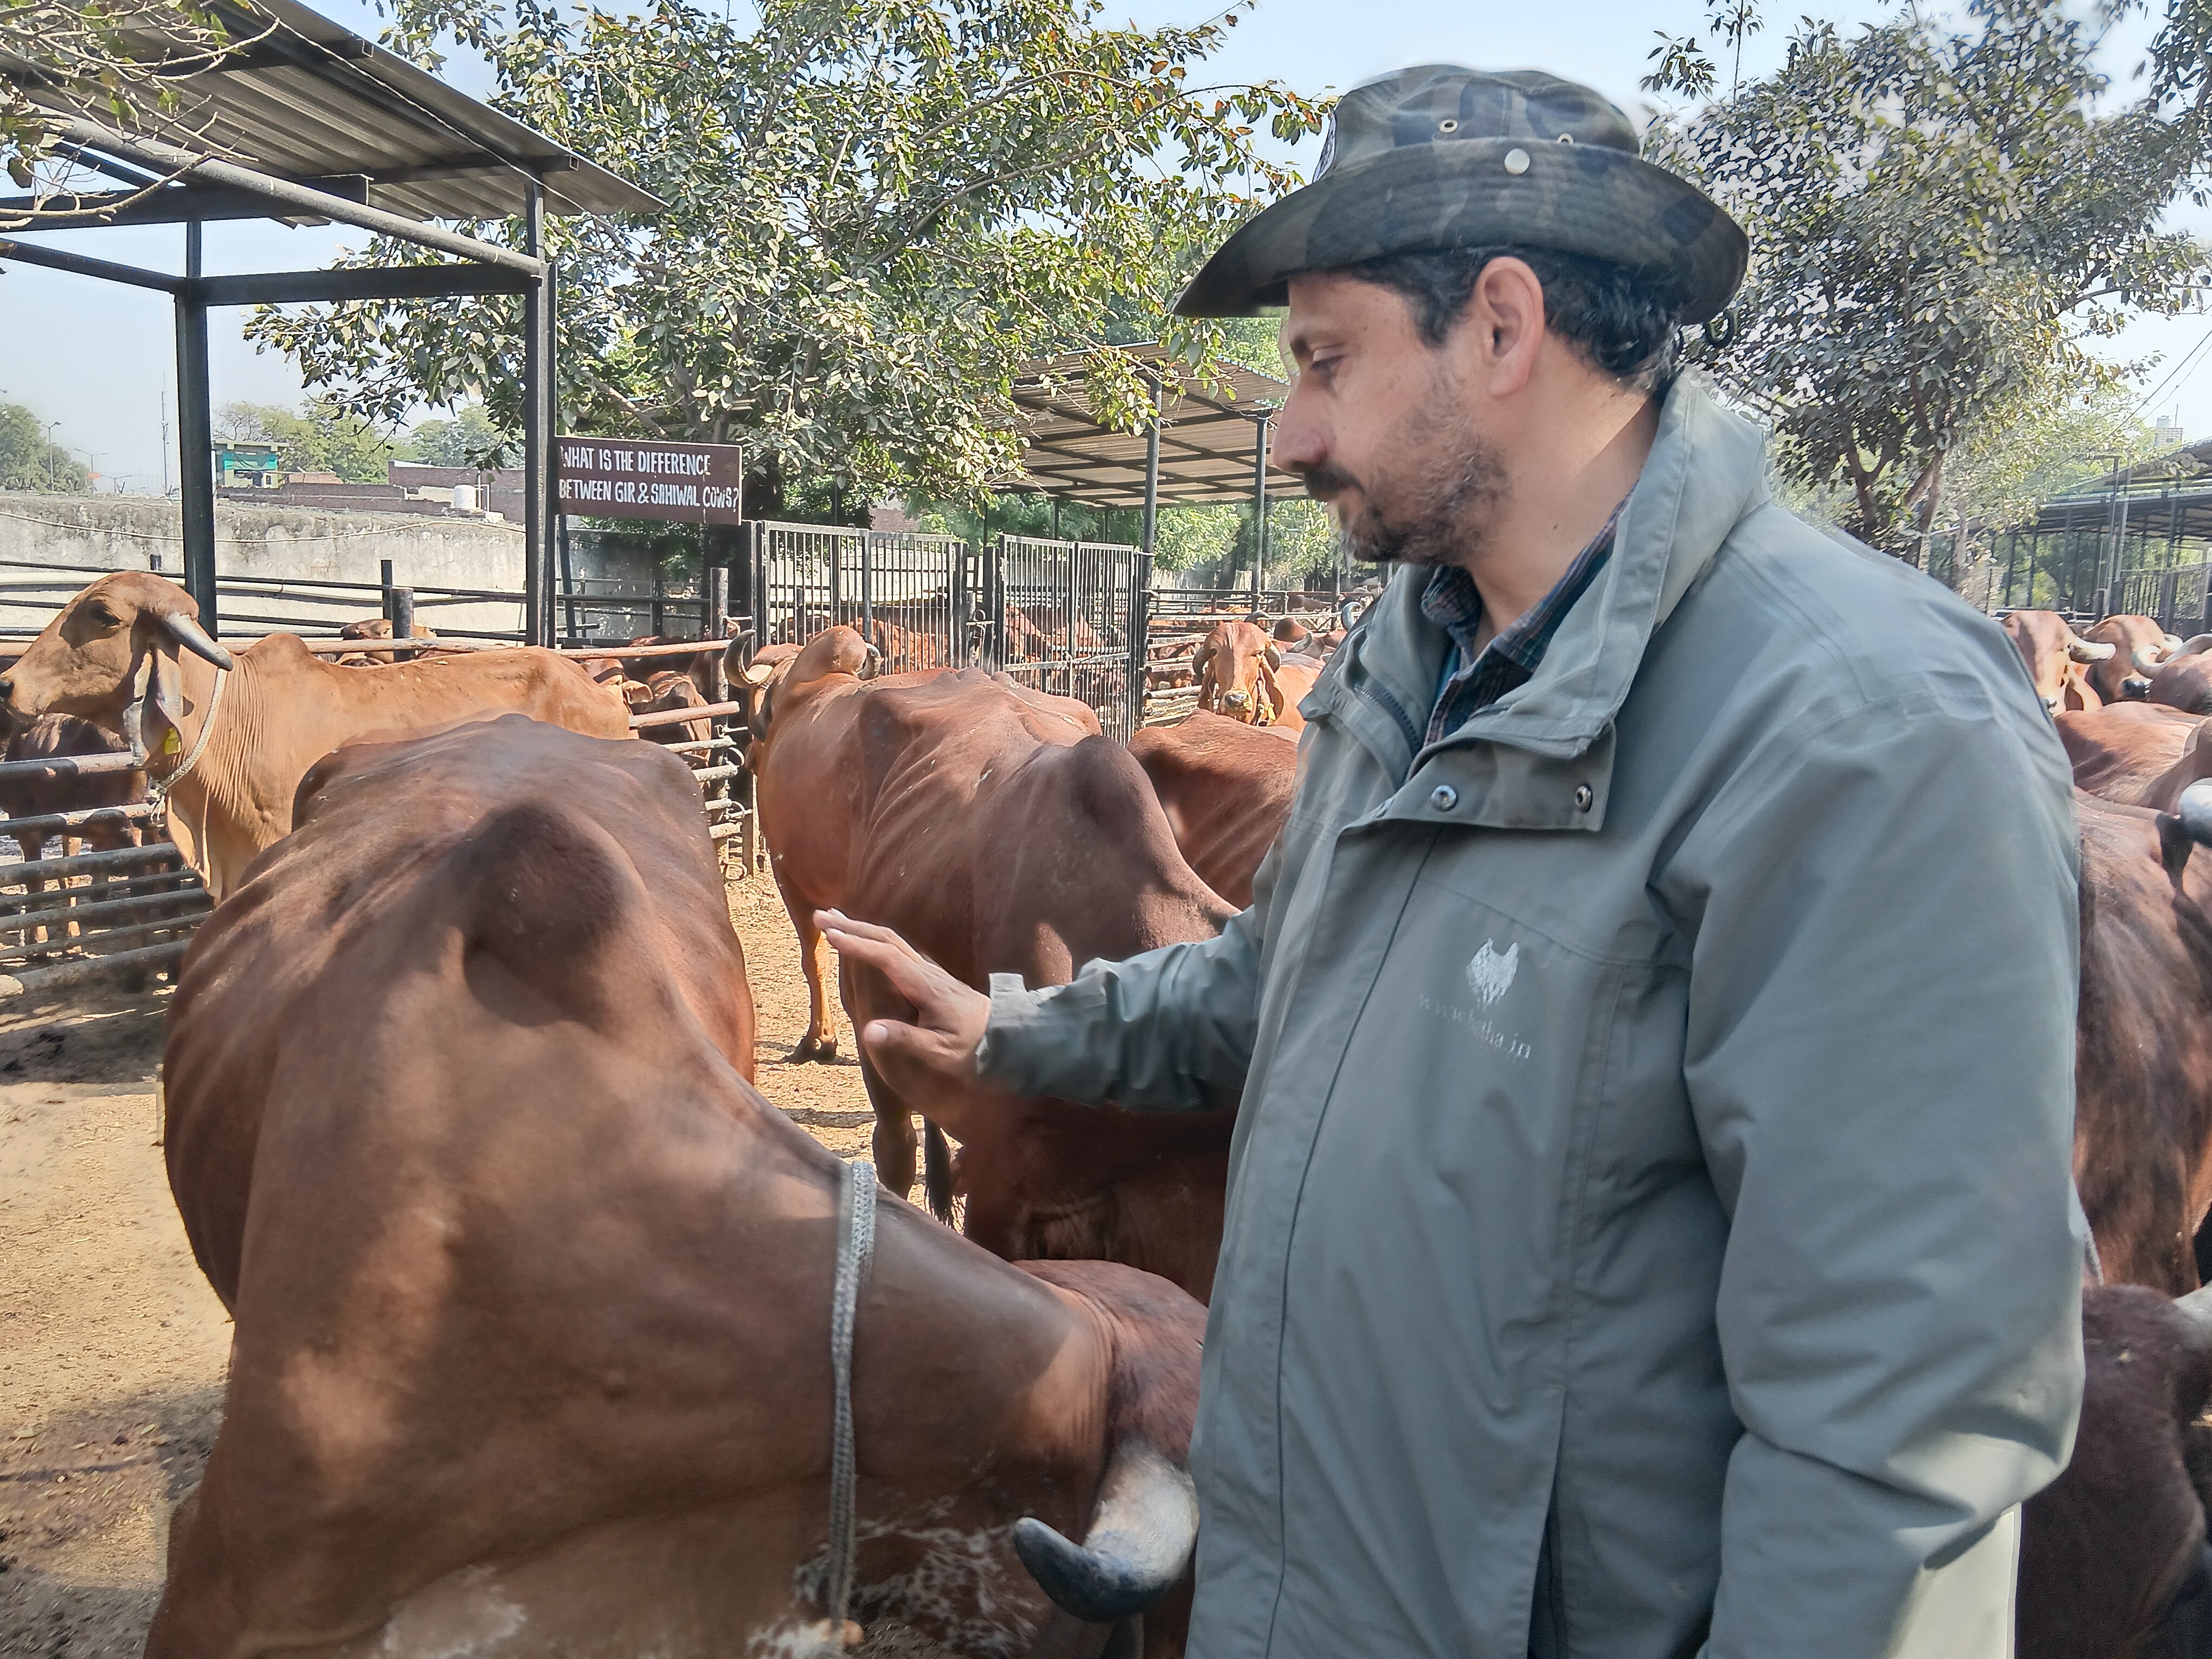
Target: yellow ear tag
<point x="169" y="742"/>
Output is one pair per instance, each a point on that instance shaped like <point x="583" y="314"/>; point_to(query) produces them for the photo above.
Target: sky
<point x="98" y="359"/>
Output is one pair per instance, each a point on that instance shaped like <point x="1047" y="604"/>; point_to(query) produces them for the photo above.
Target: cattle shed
<point x="305" y="122"/>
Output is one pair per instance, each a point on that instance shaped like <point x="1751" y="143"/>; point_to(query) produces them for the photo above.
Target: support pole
<point x="196" y="442"/>
<point x="1152" y="469"/>
<point x="567" y="575"/>
<point x="1259" y="509"/>
<point x="536" y="432"/>
<point x="402" y="618"/>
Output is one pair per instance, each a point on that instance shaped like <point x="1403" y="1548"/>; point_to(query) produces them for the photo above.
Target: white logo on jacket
<point x="1490" y="973"/>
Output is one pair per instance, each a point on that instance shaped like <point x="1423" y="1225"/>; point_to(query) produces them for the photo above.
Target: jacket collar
<point x="1669" y="533"/>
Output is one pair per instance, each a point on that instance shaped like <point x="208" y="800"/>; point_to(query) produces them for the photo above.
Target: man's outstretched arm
<point x="1170" y="1030"/>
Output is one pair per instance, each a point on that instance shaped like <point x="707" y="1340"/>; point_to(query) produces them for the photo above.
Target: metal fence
<point x="1069" y="618"/>
<point x="911" y="594"/>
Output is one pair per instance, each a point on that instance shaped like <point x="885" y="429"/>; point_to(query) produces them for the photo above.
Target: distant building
<point x="2169" y="434"/>
<point x="247" y="465"/>
<point x="442" y="491"/>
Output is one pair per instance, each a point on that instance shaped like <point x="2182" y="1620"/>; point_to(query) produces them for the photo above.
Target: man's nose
<point x="1296" y="441"/>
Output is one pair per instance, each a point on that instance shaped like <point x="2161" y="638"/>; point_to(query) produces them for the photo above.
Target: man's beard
<point x="1428" y="511"/>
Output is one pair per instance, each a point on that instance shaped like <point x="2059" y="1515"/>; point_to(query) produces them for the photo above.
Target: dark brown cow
<point x="995" y="831"/>
<point x="534" y="1304"/>
<point x="2112" y="1561"/>
<point x="127" y="655"/>
<point x="2140" y="646"/>
<point x="49" y="738"/>
<point x="666" y="692"/>
<point x="1225" y="788"/>
<point x="2055" y="654"/>
<point x="2135" y="754"/>
<point x="2143" y="1123"/>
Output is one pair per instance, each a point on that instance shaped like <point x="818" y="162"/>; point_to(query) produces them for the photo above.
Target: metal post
<point x="658" y="610"/>
<point x="403" y="616"/>
<point x="715" y="626"/>
<point x="1259" y="509"/>
<point x="385" y="581"/>
<point x="1152" y="469"/>
<point x="536" y="429"/>
<point x="567" y="574"/>
<point x="196" y="440"/>
<point x="868" y="586"/>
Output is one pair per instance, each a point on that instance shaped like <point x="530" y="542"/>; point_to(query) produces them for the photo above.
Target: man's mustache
<point x="1326" y="482"/>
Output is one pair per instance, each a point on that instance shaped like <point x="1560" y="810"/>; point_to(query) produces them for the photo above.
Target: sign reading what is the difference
<point x="640" y="478"/>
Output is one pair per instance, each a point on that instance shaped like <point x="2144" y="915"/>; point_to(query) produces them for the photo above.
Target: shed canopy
<point x="311" y="101"/>
<point x="1209" y="439"/>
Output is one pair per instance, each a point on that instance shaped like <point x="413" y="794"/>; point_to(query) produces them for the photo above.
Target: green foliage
<point x="27" y="461"/>
<point x="874" y="215"/>
<point x="120" y="59"/>
<point x="1937" y="221"/>
<point x="324" y="438"/>
<point x="470" y="439"/>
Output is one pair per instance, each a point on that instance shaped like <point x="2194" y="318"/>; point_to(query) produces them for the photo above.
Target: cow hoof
<point x="810" y="1048"/>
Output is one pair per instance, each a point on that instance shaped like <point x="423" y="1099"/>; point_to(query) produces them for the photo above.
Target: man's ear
<point x="1506" y="315"/>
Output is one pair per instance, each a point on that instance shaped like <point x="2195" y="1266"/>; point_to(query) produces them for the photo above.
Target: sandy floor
<point x="112" y="1346"/>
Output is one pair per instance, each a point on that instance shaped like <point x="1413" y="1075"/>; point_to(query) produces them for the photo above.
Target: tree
<point x="324" y="438"/>
<point x="1938" y="220"/>
<point x="27" y="461"/>
<point x="469" y="438"/>
<point x="125" y="58"/>
<point x="875" y="214"/>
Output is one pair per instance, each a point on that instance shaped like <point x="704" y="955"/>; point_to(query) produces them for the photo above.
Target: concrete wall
<point x="275" y="545"/>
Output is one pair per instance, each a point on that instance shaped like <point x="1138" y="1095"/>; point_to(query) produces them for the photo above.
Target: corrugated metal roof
<point x="310" y="99"/>
<point x="1207" y="438"/>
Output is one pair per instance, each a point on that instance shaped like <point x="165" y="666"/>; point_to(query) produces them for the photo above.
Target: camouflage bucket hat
<point x="1442" y="157"/>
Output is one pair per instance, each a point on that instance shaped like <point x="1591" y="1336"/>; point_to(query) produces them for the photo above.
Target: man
<point x="1649" y="1230"/>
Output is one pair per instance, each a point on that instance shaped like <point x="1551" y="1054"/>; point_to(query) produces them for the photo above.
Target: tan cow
<point x="2139" y="645"/>
<point x="1244" y="674"/>
<point x="376" y="628"/>
<point x="233" y="735"/>
<point x="2055" y="655"/>
<point x="532" y="1295"/>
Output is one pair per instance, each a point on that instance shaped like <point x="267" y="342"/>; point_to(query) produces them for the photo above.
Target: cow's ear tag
<point x="170" y="745"/>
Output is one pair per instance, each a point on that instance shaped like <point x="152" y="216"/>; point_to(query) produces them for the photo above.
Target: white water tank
<point x="464" y="498"/>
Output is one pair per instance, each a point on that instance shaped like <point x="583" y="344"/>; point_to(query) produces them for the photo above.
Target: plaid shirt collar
<point x="1471" y="680"/>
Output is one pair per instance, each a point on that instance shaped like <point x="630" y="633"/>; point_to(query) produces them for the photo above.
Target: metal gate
<point x="1069" y="618"/>
<point x="910" y="593"/>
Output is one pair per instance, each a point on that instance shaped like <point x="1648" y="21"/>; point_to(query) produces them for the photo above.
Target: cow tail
<point x="936" y="1171"/>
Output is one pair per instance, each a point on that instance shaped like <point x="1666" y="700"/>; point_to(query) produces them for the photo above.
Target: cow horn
<point x="2195" y="646"/>
<point x="1138" y="1543"/>
<point x="2082" y="651"/>
<point x="190" y="634"/>
<point x="2146" y="658"/>
<point x="2168" y="644"/>
<point x="872" y="664"/>
<point x="2196" y="1309"/>
<point x="2194" y="809"/>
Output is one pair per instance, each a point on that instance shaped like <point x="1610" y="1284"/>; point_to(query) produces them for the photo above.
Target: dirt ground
<point x="112" y="1346"/>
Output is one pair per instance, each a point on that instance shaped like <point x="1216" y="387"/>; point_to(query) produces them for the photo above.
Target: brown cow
<point x="666" y="692"/>
<point x="376" y="628"/>
<point x="2112" y="1559"/>
<point x="52" y="737"/>
<point x="2140" y="645"/>
<point x="2054" y="654"/>
<point x="998" y="833"/>
<point x="2184" y="680"/>
<point x="532" y="1313"/>
<point x="1225" y="788"/>
<point x="2142" y="1115"/>
<point x="1244" y="674"/>
<point x="2136" y="754"/>
<point x="127" y="655"/>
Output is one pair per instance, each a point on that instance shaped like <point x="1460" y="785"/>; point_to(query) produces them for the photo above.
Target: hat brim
<point x="1586" y="199"/>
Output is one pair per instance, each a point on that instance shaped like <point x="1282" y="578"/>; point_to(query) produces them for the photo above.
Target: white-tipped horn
<point x="2194" y="809"/>
<point x="1138" y="1545"/>
<point x="194" y="638"/>
<point x="2146" y="658"/>
<point x="2082" y="651"/>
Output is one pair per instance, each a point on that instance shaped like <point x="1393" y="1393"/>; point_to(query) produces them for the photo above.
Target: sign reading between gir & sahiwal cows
<point x="640" y="478"/>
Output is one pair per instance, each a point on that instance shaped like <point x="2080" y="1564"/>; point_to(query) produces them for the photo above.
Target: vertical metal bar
<point x="387" y="580"/>
<point x="995" y="600"/>
<point x="1152" y="468"/>
<point x="657" y="613"/>
<point x="196" y="439"/>
<point x="869" y="544"/>
<point x="715" y="626"/>
<point x="567" y="574"/>
<point x="403" y="618"/>
<point x="1259" y="509"/>
<point x="1141" y="627"/>
<point x="536" y="429"/>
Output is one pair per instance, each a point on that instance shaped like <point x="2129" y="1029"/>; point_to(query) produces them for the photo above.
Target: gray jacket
<point x="1650" y="1227"/>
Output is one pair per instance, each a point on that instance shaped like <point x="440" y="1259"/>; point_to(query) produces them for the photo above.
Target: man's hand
<point x="926" y="1062"/>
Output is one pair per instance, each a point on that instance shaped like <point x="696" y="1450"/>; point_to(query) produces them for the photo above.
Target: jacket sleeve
<point x="1170" y="1030"/>
<point x="1879" y="1057"/>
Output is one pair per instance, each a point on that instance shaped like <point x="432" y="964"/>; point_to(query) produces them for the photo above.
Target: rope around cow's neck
<point x="856" y="1243"/>
<point x="158" y="787"/>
